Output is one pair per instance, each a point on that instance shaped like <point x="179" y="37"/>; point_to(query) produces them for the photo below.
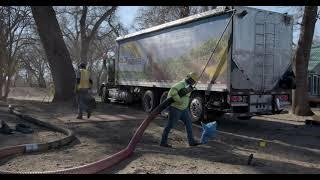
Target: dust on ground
<point x="291" y="146"/>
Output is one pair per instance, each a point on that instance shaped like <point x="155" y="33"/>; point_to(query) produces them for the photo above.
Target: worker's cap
<point x="82" y="65"/>
<point x="193" y="76"/>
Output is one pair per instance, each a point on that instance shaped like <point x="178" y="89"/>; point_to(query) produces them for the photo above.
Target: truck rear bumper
<point x="251" y="114"/>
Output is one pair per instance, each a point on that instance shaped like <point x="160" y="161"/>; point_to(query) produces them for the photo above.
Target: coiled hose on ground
<point x="90" y="168"/>
<point x="40" y="147"/>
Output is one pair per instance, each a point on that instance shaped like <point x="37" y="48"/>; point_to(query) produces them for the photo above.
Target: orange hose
<point x="102" y="164"/>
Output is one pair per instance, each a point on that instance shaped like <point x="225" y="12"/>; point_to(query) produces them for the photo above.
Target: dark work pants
<point x="174" y="116"/>
<point x="83" y="99"/>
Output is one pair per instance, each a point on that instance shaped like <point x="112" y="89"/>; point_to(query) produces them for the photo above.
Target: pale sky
<point x="128" y="13"/>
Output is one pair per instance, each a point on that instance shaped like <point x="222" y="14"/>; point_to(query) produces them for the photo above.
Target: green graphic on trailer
<point x="168" y="55"/>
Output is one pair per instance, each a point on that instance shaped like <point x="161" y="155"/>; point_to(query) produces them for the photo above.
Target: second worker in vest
<point x="83" y="85"/>
<point x="178" y="110"/>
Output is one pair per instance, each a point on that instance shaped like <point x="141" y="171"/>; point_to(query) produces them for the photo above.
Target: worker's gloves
<point x="184" y="91"/>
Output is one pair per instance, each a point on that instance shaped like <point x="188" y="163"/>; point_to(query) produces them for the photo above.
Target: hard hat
<point x="193" y="76"/>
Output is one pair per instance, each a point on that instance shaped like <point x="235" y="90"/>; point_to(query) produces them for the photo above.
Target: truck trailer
<point x="249" y="73"/>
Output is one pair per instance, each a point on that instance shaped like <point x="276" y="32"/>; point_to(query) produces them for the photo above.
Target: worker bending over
<point x="178" y="110"/>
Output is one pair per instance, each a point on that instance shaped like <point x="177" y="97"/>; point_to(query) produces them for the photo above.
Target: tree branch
<point x="83" y="22"/>
<point x="18" y="40"/>
<point x="102" y="18"/>
<point x="76" y="26"/>
<point x="104" y="35"/>
<point x="116" y="31"/>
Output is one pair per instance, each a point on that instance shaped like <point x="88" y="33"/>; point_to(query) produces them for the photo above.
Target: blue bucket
<point x="209" y="130"/>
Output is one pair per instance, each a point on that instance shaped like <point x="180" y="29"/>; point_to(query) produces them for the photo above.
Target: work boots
<point x="88" y="114"/>
<point x="195" y="144"/>
<point x="166" y="145"/>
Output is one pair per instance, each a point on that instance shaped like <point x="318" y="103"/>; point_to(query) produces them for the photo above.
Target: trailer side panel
<point x="164" y="57"/>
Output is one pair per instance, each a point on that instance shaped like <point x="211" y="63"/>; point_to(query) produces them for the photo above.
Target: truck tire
<point x="105" y="95"/>
<point x="149" y="101"/>
<point x="163" y="97"/>
<point x="196" y="107"/>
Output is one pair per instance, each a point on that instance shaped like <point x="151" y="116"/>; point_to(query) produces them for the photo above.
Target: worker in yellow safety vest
<point x="178" y="110"/>
<point x="83" y="86"/>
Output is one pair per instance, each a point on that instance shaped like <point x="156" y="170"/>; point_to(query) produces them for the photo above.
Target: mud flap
<point x="276" y="106"/>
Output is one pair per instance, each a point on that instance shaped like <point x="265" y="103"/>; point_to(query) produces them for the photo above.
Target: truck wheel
<point x="105" y="95"/>
<point x="163" y="97"/>
<point x="196" y="107"/>
<point x="149" y="101"/>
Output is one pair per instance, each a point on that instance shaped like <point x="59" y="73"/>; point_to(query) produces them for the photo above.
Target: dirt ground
<point x="291" y="146"/>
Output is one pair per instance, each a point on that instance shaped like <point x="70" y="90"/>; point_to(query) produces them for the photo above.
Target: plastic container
<point x="209" y="130"/>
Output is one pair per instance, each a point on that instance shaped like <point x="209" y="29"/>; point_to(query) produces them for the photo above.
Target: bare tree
<point x="88" y="34"/>
<point x="56" y="51"/>
<point x="33" y="60"/>
<point x="3" y="53"/>
<point x="300" y="105"/>
<point x="68" y="18"/>
<point x="154" y="15"/>
<point x="297" y="12"/>
<point x="13" y="22"/>
<point x="3" y="57"/>
<point x="102" y="41"/>
<point x="102" y="48"/>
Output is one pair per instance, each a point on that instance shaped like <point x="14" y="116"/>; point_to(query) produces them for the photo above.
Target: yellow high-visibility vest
<point x="84" y="79"/>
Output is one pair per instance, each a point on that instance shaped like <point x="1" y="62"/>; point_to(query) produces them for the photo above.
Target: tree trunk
<point x="84" y="50"/>
<point x="29" y="78"/>
<point x="56" y="51"/>
<point x="1" y="83"/>
<point x="7" y="87"/>
<point x="1" y="89"/>
<point x="99" y="77"/>
<point x="41" y="81"/>
<point x="3" y="59"/>
<point x="300" y="104"/>
<point x="87" y="37"/>
<point x="14" y="80"/>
